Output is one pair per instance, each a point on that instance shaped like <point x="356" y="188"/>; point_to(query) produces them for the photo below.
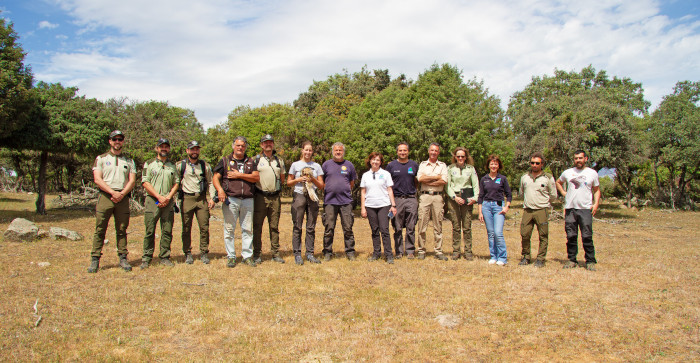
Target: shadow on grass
<point x="11" y="200"/>
<point x="52" y="215"/>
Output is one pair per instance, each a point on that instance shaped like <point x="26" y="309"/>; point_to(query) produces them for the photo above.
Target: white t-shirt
<point x="578" y="187"/>
<point x="376" y="188"/>
<point x="296" y="169"/>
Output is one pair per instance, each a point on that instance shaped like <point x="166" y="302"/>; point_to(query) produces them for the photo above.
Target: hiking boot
<point x="312" y="259"/>
<point x="373" y="258"/>
<point x="145" y="264"/>
<point x="231" y="262"/>
<point x="298" y="260"/>
<point x="468" y="256"/>
<point x="390" y="260"/>
<point x="250" y="262"/>
<point x="94" y="265"/>
<point x="410" y="256"/>
<point x="441" y="257"/>
<point x="455" y="256"/>
<point x="205" y="259"/>
<point x="351" y="256"/>
<point x="124" y="264"/>
<point x="539" y="263"/>
<point x="257" y="260"/>
<point x="278" y="259"/>
<point x="398" y="256"/>
<point x="421" y="256"/>
<point x="571" y="264"/>
<point x="590" y="266"/>
<point x="525" y="261"/>
<point x="188" y="259"/>
<point x="327" y="256"/>
<point x="166" y="262"/>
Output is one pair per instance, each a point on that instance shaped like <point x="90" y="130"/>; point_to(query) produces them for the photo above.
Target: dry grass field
<point x="643" y="303"/>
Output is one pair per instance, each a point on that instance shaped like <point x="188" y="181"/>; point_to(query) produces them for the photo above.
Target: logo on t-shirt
<point x="108" y="163"/>
<point x="497" y="181"/>
<point x="410" y="170"/>
<point x="578" y="181"/>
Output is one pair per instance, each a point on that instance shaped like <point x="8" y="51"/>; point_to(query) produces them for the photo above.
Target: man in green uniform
<point x="195" y="184"/>
<point x="160" y="180"/>
<point x="115" y="175"/>
<point x="267" y="198"/>
<point x="538" y="190"/>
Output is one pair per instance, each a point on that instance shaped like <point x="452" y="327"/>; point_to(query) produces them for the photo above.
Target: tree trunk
<point x="41" y="193"/>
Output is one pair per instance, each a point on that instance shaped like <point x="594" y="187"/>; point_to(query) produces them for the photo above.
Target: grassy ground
<point x="641" y="305"/>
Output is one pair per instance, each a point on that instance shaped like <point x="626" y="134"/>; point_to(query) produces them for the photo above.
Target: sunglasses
<point x="535" y="163"/>
<point x="460" y="157"/>
<point x="117" y="139"/>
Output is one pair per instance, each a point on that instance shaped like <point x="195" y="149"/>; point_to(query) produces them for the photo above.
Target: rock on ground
<point x="448" y="320"/>
<point x="21" y="230"/>
<point x="62" y="233"/>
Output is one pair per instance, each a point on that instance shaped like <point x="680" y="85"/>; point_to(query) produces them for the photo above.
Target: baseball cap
<point x="162" y="141"/>
<point x="267" y="137"/>
<point x="193" y="144"/>
<point x="116" y="133"/>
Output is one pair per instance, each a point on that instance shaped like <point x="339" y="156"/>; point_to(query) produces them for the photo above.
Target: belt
<point x="192" y="194"/>
<point x="405" y="196"/>
<point x="267" y="194"/>
<point x="431" y="193"/>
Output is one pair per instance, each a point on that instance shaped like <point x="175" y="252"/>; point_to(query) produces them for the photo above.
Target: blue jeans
<point x="494" y="226"/>
<point x="240" y="210"/>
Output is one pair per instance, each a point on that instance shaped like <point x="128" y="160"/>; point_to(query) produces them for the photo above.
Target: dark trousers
<point x="406" y="217"/>
<point x="303" y="206"/>
<point x="379" y="224"/>
<point x="532" y="218"/>
<point x="330" y="215"/>
<point x="150" y="219"/>
<point x="103" y="212"/>
<point x="574" y="220"/>
<point x="266" y="207"/>
<point x="195" y="206"/>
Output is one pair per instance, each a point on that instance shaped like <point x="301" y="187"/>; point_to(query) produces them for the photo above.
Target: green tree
<point x="15" y="83"/>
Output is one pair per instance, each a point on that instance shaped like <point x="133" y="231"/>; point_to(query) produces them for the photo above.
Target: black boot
<point x="124" y="264"/>
<point x="94" y="265"/>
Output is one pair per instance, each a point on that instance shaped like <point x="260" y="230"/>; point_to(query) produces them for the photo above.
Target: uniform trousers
<point x="266" y="206"/>
<point x="195" y="206"/>
<point x="103" y="212"/>
<point x="166" y="217"/>
<point x="532" y="218"/>
<point x="430" y="208"/>
<point x="461" y="217"/>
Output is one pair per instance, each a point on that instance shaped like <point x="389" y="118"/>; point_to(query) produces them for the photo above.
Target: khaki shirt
<point x="271" y="172"/>
<point x="537" y="193"/>
<point x="192" y="175"/>
<point x="432" y="169"/>
<point x="459" y="179"/>
<point x="161" y="175"/>
<point x="115" y="169"/>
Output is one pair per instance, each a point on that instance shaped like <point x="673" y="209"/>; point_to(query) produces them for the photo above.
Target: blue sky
<point x="214" y="55"/>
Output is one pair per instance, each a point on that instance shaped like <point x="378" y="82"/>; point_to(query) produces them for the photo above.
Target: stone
<point x="62" y="233"/>
<point x="21" y="230"/>
<point x="448" y="320"/>
<point x="43" y="264"/>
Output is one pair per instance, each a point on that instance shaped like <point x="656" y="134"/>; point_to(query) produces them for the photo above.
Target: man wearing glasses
<point x="115" y="176"/>
<point x="538" y="190"/>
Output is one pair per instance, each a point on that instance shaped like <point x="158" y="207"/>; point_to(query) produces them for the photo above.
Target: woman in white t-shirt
<point x="377" y="200"/>
<point x="305" y="201"/>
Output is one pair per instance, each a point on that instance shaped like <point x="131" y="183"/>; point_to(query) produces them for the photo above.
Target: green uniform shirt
<point x="115" y="169"/>
<point x="539" y="192"/>
<point x="271" y="171"/>
<point x="161" y="175"/>
<point x="192" y="176"/>
<point x="459" y="178"/>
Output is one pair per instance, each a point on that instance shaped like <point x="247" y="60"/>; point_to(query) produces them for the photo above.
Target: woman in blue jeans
<point x="494" y="202"/>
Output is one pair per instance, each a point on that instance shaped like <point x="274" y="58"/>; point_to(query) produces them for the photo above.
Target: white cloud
<point x="212" y="56"/>
<point x="47" y="25"/>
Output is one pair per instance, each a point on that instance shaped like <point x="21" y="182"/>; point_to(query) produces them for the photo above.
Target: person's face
<point x="307" y="152"/>
<point x="338" y="153"/>
<point x="580" y="160"/>
<point x="193" y="152"/>
<point x="535" y="165"/>
<point x="117" y="142"/>
<point x="239" y="148"/>
<point x="461" y="157"/>
<point x="493" y="166"/>
<point x="267" y="145"/>
<point x="163" y="150"/>
<point x="433" y="152"/>
<point x="402" y="152"/>
<point x="375" y="162"/>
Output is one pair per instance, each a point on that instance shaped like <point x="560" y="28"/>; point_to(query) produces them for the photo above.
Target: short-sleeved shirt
<point x="432" y="169"/>
<point x="337" y="176"/>
<point x="578" y="189"/>
<point x="538" y="193"/>
<point x="237" y="188"/>
<point x="115" y="169"/>
<point x="494" y="190"/>
<point x="377" y="186"/>
<point x="404" y="177"/>
<point x="161" y="175"/>
<point x="193" y="174"/>
<point x="460" y="178"/>
<point x="296" y="169"/>
<point x="271" y="171"/>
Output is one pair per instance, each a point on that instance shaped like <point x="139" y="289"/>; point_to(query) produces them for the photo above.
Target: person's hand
<point x="481" y="217"/>
<point x="504" y="210"/>
<point x="211" y="203"/>
<point x="304" y="179"/>
<point x="459" y="200"/>
<point x="117" y="197"/>
<point x="222" y="196"/>
<point x="364" y="212"/>
<point x="393" y="210"/>
<point x="233" y="174"/>
<point x="594" y="209"/>
<point x="471" y="201"/>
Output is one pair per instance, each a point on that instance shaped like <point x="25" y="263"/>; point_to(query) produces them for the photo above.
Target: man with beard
<point x="115" y="175"/>
<point x="160" y="180"/>
<point x="195" y="186"/>
<point x="538" y="190"/>
<point x="582" y="186"/>
<point x="268" y="203"/>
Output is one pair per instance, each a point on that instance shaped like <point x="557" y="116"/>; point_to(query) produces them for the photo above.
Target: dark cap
<point x="192" y="144"/>
<point x="115" y="133"/>
<point x="162" y="141"/>
<point x="267" y="137"/>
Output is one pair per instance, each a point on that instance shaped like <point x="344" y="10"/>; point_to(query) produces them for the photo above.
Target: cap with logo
<point x="192" y="144"/>
<point x="162" y="141"/>
<point x="116" y="133"/>
<point x="267" y="137"/>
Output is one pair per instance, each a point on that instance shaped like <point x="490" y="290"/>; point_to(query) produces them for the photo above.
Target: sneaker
<point x="571" y="264"/>
<point x="455" y="256"/>
<point x="539" y="263"/>
<point x="590" y="266"/>
<point x="390" y="260"/>
<point x="351" y="256"/>
<point x="500" y="263"/>
<point x="441" y="257"/>
<point x="188" y="259"/>
<point x="298" y="260"/>
<point x="231" y="262"/>
<point x="421" y="256"/>
<point x="145" y="264"/>
<point x="525" y="261"/>
<point x="124" y="264"/>
<point x="397" y="256"/>
<point x="278" y="259"/>
<point x="327" y="256"/>
<point x="373" y="258"/>
<point x="250" y="262"/>
<point x="410" y="256"/>
<point x="312" y="259"/>
<point x="257" y="260"/>
<point x="468" y="256"/>
<point x="94" y="265"/>
<point x="492" y="261"/>
<point x="166" y="262"/>
<point x="205" y="259"/>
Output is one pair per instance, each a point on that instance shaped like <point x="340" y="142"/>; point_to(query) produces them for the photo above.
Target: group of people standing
<point x="405" y="194"/>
